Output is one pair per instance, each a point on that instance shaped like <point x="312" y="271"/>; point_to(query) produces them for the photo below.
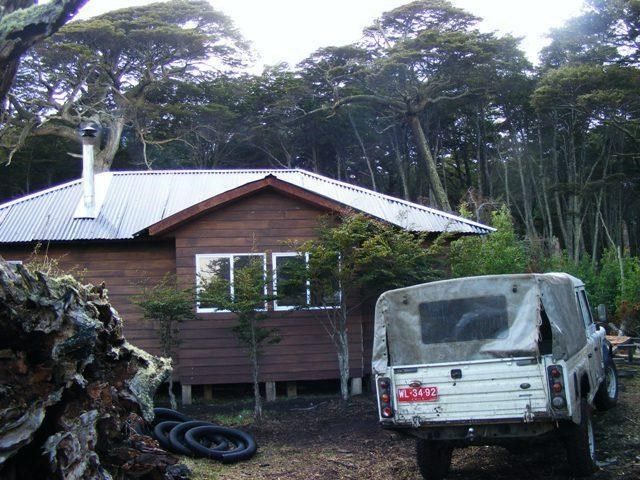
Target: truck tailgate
<point x="501" y="389"/>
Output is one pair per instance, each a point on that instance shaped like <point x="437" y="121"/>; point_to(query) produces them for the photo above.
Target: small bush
<point x="496" y="253"/>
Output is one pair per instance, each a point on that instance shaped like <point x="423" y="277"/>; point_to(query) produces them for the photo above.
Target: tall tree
<point x="425" y="56"/>
<point x="587" y="102"/>
<point x="23" y="23"/>
<point x="104" y="68"/>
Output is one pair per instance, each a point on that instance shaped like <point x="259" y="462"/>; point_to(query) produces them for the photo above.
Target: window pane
<point x="464" y="320"/>
<point x="290" y="282"/>
<point x="218" y="267"/>
<point x="209" y="268"/>
<point x="584" y="308"/>
<point x="249" y="278"/>
<point x="324" y="293"/>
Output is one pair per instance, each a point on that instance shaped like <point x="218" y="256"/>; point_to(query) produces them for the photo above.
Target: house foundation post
<point x="356" y="386"/>
<point x="208" y="392"/>
<point x="270" y="389"/>
<point x="292" y="389"/>
<point x="186" y="394"/>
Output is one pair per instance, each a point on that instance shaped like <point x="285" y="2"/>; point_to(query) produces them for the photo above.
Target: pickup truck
<point x="503" y="360"/>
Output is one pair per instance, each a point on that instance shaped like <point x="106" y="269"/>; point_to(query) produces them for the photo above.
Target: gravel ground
<point x="309" y="438"/>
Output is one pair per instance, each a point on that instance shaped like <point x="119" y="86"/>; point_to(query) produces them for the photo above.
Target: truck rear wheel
<point x="434" y="459"/>
<point x="607" y="394"/>
<point x="581" y="449"/>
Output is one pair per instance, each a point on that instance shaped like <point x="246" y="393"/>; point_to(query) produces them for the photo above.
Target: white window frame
<point x="307" y="305"/>
<point x="230" y="257"/>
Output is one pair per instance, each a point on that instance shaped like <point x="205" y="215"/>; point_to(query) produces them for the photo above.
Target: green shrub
<point x="496" y="253"/>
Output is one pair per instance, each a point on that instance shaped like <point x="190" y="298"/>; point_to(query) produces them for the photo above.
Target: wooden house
<point x="125" y="228"/>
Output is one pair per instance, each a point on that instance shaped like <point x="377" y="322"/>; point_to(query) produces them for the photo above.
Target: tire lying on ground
<point x="177" y="433"/>
<point x="164" y="414"/>
<point x="245" y="445"/>
<point x="161" y="433"/>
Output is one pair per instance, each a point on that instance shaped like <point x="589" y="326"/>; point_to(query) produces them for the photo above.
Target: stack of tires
<point x="179" y="434"/>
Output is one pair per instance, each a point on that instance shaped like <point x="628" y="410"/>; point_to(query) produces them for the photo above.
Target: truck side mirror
<point x="602" y="313"/>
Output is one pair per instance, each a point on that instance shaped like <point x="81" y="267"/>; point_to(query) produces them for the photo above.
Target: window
<point x="293" y="287"/>
<point x="290" y="291"/>
<point x="585" y="310"/>
<point x="464" y="320"/>
<point x="224" y="267"/>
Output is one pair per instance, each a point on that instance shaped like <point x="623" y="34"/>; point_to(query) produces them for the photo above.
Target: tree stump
<point x="74" y="395"/>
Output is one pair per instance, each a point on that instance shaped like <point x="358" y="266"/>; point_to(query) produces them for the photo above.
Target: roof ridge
<point x="401" y="201"/>
<point x="187" y="171"/>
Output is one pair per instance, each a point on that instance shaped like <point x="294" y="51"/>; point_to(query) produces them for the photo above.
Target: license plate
<point x="419" y="394"/>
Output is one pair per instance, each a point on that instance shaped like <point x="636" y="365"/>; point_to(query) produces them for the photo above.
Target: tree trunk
<point x="6" y="80"/>
<point x="441" y="199"/>
<point x="401" y="170"/>
<point x="483" y="170"/>
<point x="546" y="209"/>
<point x="112" y="135"/>
<point x="556" y="195"/>
<point x="575" y="203"/>
<point x="257" y="399"/>
<point x="372" y="174"/>
<point x="172" y="396"/>
<point x="526" y="197"/>
<point x="342" y="340"/>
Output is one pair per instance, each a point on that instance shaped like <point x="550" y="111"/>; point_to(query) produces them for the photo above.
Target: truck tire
<point x="581" y="450"/>
<point x="607" y="394"/>
<point x="434" y="459"/>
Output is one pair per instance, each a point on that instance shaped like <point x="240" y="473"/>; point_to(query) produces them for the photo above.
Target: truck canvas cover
<point x="476" y="318"/>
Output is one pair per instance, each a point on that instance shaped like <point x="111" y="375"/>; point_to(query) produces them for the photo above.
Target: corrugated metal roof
<point x="135" y="200"/>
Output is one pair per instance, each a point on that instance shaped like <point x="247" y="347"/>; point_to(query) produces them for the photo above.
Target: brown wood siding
<point x="209" y="352"/>
<point x="122" y="266"/>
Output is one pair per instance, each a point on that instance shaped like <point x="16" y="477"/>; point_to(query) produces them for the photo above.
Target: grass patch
<point x="237" y="419"/>
<point x="202" y="468"/>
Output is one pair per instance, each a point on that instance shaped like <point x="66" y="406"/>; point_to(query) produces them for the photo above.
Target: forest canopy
<point x="425" y="107"/>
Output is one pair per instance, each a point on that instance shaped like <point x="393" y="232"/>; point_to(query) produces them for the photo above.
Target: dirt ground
<point x="314" y="437"/>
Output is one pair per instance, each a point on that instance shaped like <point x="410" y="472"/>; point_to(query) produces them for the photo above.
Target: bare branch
<point x="375" y="99"/>
<point x="24" y="134"/>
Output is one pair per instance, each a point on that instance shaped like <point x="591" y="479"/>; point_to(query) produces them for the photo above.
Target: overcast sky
<point x="289" y="30"/>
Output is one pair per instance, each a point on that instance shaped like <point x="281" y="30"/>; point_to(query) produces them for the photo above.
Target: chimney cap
<point x="89" y="129"/>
